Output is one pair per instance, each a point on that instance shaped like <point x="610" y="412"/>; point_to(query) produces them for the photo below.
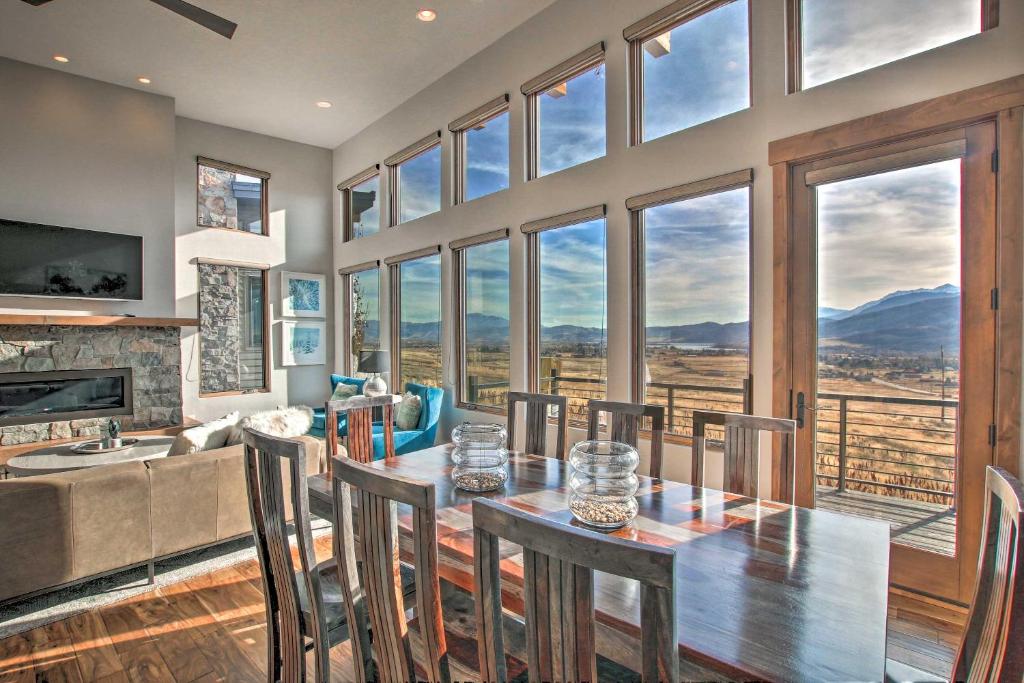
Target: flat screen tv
<point x="48" y="260"/>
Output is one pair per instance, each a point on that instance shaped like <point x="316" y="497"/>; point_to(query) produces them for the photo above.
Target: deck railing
<point x="893" y="445"/>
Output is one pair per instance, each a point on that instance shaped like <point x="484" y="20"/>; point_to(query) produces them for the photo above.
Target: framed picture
<point x="302" y="295"/>
<point x="303" y="343"/>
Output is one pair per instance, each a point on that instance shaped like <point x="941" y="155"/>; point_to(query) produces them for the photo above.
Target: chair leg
<point x="151" y="572"/>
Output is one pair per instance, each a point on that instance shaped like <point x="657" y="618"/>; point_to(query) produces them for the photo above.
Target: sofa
<point x="64" y="528"/>
<point x="406" y="441"/>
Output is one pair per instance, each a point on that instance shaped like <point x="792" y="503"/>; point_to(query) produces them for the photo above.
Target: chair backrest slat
<point x="377" y="588"/>
<point x="537" y="410"/>
<point x="265" y="457"/>
<point x="625" y="424"/>
<point x="992" y="648"/>
<point x="359" y="410"/>
<point x="559" y="562"/>
<point x="742" y="452"/>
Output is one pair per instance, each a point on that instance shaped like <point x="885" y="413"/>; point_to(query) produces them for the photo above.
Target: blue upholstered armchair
<point x="319" y="427"/>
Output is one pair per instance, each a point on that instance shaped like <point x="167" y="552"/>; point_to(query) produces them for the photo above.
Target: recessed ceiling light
<point x="61" y="58"/>
<point x="426" y="15"/>
<point x="324" y="104"/>
<point x="143" y="80"/>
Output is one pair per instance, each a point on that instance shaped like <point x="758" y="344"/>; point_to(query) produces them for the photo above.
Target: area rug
<point x="67" y="602"/>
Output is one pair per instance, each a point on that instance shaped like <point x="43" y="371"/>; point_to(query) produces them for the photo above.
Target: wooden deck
<point x="929" y="526"/>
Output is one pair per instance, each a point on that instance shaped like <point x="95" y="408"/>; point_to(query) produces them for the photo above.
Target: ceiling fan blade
<point x="36" y="3"/>
<point x="197" y="14"/>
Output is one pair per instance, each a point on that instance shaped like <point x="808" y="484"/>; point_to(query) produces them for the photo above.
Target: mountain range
<point x="905" y="321"/>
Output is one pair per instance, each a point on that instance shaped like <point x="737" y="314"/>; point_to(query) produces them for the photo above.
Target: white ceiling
<point x="364" y="56"/>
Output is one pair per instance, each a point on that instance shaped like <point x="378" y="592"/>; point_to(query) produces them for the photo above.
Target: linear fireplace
<point x="32" y="397"/>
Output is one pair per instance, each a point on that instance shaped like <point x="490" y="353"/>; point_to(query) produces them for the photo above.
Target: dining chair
<point x="559" y="562"/>
<point x="359" y="413"/>
<point x="626" y="421"/>
<point x="742" y="450"/>
<point x="537" y="411"/>
<point x="304" y="608"/>
<point x="370" y="572"/>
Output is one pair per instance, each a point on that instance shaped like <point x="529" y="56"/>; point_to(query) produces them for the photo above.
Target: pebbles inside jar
<point x="604" y="483"/>
<point x="479" y="457"/>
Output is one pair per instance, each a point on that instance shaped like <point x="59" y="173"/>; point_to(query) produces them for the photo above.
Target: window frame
<point x="345" y="187"/>
<point x="666" y="19"/>
<point x="531" y="231"/>
<point x="458" y="249"/>
<point x="794" y="41"/>
<point x="264" y="268"/>
<point x="394" y="190"/>
<point x="394" y="265"/>
<point x="346" y="308"/>
<point x="532" y="89"/>
<point x="638" y="277"/>
<point x="264" y="177"/>
<point x="458" y="128"/>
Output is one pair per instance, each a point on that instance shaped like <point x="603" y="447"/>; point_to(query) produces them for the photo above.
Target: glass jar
<point x="603" y="484"/>
<point x="479" y="457"/>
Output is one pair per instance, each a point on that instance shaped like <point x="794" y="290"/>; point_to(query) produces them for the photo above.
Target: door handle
<point x="801" y="407"/>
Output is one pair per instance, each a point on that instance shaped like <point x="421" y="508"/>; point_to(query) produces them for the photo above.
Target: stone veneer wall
<point x="153" y="354"/>
<point x="220" y="342"/>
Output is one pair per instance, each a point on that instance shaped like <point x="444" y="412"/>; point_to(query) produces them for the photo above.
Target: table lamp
<point x="374" y="363"/>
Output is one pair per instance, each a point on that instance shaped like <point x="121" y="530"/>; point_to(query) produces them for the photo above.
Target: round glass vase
<point x="604" y="483"/>
<point x="479" y="457"/>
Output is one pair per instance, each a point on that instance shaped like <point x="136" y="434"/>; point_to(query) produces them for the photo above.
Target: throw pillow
<point x="284" y="422"/>
<point x="409" y="410"/>
<point x="343" y="391"/>
<point x="205" y="437"/>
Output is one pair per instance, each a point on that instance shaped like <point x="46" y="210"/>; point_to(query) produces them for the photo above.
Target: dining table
<point x="764" y="591"/>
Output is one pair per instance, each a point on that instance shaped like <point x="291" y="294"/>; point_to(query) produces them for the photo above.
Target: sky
<point x="842" y="37"/>
<point x="572" y="275"/>
<point x="421" y="290"/>
<point x="420" y="181"/>
<point x="487" y="157"/>
<point x="572" y="127"/>
<point x="886" y="232"/>
<point x="487" y="279"/>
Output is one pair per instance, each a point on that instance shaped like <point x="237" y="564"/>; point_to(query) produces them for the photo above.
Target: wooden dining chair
<point x="559" y="562"/>
<point x="359" y="411"/>
<point x="742" y="450"/>
<point x="373" y="588"/>
<point x="625" y="422"/>
<point x="304" y="609"/>
<point x="537" y="411"/>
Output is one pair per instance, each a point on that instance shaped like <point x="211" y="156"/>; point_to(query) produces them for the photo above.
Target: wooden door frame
<point x="1001" y="102"/>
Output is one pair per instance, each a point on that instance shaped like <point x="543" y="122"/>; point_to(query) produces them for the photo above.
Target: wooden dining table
<point x="765" y="590"/>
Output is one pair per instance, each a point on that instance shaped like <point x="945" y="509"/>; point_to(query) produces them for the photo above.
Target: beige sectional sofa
<point x="63" y="528"/>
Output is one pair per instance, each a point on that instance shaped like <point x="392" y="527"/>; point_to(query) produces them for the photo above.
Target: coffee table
<point x="60" y="458"/>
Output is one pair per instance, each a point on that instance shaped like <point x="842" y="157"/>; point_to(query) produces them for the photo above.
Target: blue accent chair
<point x="319" y="428"/>
<point x="426" y="431"/>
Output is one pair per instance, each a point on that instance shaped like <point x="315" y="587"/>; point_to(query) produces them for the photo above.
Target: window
<point x="567" y="316"/>
<point x="693" y="285"/>
<point x="232" y="329"/>
<point x="566" y="114"/>
<point x="689" y="66"/>
<point x="831" y="39"/>
<point x="360" y="196"/>
<point x="231" y="197"/>
<point x="362" y="311"/>
<point x="416" y="317"/>
<point x="482" y="319"/>
<point x="481" y="151"/>
<point x="415" y="178"/>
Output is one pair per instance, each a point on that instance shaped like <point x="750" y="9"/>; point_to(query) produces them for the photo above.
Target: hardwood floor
<point x="211" y="628"/>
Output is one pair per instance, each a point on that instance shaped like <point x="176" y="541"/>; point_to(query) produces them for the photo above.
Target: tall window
<point x="416" y="322"/>
<point x="694" y="285"/>
<point x="481" y="150"/>
<point x="836" y="38"/>
<point x="568" y="309"/>
<point x="361" y="204"/>
<point x="415" y="175"/>
<point x="232" y="329"/>
<point x="363" y="311"/>
<point x="231" y="196"/>
<point x="566" y="114"/>
<point x="689" y="67"/>
<point x="482" y="319"/>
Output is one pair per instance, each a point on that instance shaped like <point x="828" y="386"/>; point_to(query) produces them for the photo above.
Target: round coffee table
<point x="60" y="458"/>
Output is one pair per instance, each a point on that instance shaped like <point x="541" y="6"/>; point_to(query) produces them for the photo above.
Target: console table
<point x="60" y="458"/>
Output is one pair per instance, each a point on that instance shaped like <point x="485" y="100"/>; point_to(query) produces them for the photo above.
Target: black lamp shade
<point x="374" y="361"/>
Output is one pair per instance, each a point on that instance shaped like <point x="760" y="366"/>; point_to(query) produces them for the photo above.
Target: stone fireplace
<point x="149" y="356"/>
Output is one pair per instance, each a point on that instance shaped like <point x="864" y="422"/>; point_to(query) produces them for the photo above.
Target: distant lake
<point x="692" y="346"/>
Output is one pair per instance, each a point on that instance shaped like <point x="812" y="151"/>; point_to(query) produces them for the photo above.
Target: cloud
<point x="421" y="290"/>
<point x="572" y="127"/>
<point x="420" y="185"/>
<point x="487" y="158"/>
<point x="487" y="279"/>
<point x="572" y="275"/>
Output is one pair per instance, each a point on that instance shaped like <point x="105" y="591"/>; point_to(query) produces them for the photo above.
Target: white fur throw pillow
<point x="205" y="437"/>
<point x="284" y="422"/>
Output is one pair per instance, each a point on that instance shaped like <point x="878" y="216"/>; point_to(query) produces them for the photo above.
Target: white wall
<point x="300" y="232"/>
<point x="87" y="154"/>
<point x="727" y="144"/>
